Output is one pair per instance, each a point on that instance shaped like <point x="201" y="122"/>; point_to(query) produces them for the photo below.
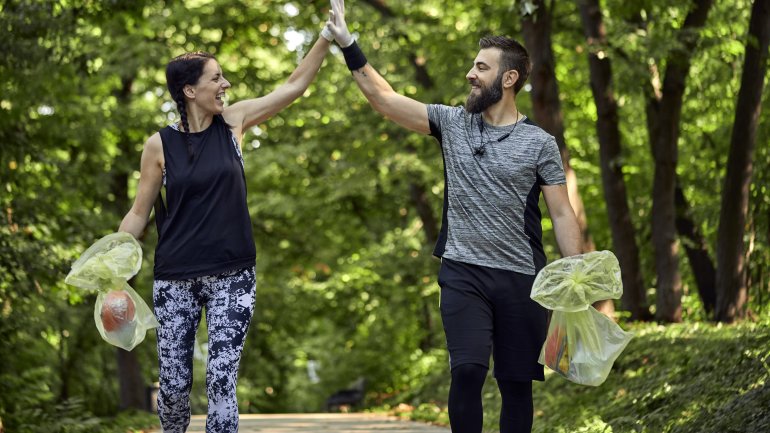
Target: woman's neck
<point x="198" y="121"/>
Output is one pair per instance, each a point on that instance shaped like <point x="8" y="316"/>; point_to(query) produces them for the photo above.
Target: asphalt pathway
<point x="321" y="423"/>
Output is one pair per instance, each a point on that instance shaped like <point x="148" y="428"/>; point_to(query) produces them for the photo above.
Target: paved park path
<point x="321" y="423"/>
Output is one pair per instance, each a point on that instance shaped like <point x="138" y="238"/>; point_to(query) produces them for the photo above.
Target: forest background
<point x="656" y="106"/>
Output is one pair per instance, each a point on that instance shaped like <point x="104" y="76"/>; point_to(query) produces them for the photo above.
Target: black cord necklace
<point x="480" y="150"/>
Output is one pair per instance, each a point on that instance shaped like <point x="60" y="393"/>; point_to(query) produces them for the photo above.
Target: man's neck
<point x="503" y="113"/>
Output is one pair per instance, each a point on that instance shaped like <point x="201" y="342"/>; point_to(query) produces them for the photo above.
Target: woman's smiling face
<point x="209" y="91"/>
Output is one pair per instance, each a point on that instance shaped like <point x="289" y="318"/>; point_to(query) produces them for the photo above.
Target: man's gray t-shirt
<point x="492" y="189"/>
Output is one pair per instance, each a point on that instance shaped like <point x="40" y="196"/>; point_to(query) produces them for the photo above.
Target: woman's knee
<point x="173" y="399"/>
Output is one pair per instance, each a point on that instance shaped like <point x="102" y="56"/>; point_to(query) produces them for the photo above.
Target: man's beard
<point x="487" y="96"/>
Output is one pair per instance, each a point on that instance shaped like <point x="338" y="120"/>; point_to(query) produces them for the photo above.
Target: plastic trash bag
<point x="112" y="259"/>
<point x="582" y="346"/>
<point x="121" y="315"/>
<point x="574" y="283"/>
<point x="582" y="343"/>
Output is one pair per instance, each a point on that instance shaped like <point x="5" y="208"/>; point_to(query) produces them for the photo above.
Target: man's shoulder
<point x="446" y="120"/>
<point x="534" y="132"/>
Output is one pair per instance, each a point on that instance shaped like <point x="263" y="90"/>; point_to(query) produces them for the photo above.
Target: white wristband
<point x="327" y="34"/>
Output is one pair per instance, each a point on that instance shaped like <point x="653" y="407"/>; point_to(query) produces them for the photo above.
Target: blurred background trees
<point x="657" y="106"/>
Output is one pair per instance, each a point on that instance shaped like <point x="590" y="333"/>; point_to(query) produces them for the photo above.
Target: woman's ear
<point x="189" y="91"/>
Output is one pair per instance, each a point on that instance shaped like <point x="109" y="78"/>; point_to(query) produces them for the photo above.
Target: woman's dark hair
<point x="181" y="71"/>
<point x="513" y="57"/>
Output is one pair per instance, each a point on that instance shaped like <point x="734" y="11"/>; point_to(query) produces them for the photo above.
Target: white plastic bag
<point x="121" y="315"/>
<point x="582" y="343"/>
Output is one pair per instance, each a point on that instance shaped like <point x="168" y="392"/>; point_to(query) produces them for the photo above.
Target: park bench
<point x="348" y="399"/>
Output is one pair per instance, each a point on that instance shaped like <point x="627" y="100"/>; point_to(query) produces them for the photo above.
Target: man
<point x="496" y="163"/>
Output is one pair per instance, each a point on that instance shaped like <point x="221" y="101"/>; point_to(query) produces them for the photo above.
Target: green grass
<point x="72" y="417"/>
<point x="685" y="378"/>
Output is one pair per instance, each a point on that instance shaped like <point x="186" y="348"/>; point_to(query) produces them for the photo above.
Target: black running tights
<point x="465" y="411"/>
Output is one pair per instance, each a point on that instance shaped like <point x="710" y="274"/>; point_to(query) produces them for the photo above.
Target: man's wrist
<point x="354" y="57"/>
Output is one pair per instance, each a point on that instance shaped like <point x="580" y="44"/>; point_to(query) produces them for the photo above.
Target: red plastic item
<point x="118" y="310"/>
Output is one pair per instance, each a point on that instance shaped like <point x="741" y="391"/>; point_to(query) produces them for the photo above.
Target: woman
<point x="205" y="254"/>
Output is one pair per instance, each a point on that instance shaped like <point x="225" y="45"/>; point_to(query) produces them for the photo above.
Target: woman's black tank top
<point x="204" y="227"/>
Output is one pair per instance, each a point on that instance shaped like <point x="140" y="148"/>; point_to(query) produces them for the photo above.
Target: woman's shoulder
<point x="154" y="144"/>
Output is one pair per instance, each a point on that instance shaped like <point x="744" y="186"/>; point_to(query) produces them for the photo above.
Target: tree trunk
<point x="430" y="227"/>
<point x="667" y="112"/>
<point x="701" y="264"/>
<point x="425" y="211"/>
<point x="132" y="386"/>
<point x="546" y="106"/>
<point x="623" y="233"/>
<point x="697" y="253"/>
<point x="732" y="292"/>
<point x="669" y="284"/>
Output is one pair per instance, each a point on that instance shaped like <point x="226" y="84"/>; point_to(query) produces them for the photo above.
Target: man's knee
<point x="469" y="374"/>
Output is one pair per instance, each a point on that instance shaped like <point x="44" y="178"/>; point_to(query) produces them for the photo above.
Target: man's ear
<point x="189" y="91"/>
<point x="510" y="78"/>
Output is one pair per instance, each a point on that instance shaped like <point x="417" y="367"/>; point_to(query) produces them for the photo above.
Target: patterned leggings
<point x="229" y="302"/>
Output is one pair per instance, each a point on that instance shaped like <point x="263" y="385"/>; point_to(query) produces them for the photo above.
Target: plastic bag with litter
<point x="121" y="315"/>
<point x="114" y="258"/>
<point x="582" y="343"/>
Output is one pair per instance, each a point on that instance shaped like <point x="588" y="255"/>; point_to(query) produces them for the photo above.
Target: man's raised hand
<point x="337" y="25"/>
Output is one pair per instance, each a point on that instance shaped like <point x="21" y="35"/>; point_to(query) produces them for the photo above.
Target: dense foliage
<point x="345" y="273"/>
<point x="710" y="379"/>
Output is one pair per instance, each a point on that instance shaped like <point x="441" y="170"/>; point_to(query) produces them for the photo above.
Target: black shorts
<point x="489" y="310"/>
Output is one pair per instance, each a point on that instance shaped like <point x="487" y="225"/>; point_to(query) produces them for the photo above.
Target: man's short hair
<point x="513" y="57"/>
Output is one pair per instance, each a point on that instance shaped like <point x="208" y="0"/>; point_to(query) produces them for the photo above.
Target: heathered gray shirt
<point x="492" y="189"/>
